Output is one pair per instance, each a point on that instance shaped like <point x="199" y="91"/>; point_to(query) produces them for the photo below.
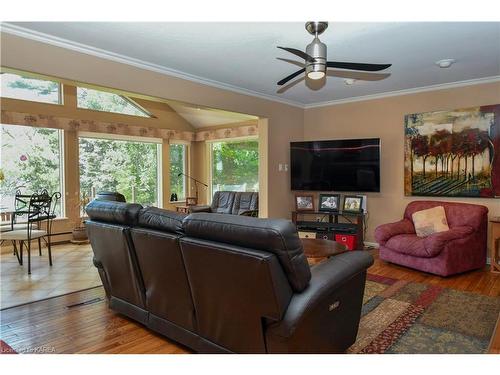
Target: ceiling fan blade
<point x="291" y="76"/>
<point x="299" y="53"/>
<point x="357" y="66"/>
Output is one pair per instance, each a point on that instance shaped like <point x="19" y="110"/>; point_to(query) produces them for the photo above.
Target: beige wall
<point x="285" y="122"/>
<point x="384" y="119"/>
<point x="375" y="118"/>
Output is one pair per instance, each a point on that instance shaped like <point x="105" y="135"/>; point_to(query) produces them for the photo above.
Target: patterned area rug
<point x="406" y="317"/>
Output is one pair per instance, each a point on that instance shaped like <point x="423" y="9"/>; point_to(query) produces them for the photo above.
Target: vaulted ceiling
<point x="244" y="57"/>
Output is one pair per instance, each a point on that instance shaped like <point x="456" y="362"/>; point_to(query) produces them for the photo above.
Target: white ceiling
<point x="243" y="56"/>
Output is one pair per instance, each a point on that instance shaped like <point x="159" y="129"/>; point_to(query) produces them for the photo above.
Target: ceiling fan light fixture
<point x="315" y="75"/>
<point x="445" y="63"/>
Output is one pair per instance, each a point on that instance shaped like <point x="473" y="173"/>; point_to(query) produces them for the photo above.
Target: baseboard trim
<point x="371" y="244"/>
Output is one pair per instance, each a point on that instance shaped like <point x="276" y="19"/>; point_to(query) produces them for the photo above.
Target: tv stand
<point x="355" y="224"/>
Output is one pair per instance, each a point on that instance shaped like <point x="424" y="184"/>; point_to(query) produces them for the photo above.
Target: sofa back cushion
<point x="223" y="202"/>
<point x="430" y="221"/>
<point x="234" y="290"/>
<point x="276" y="236"/>
<point x="457" y="214"/>
<point x="245" y="201"/>
<point x="113" y="212"/>
<point x="168" y="294"/>
<point x="161" y="219"/>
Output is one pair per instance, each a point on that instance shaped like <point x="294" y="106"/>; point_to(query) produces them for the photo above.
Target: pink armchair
<point x="460" y="249"/>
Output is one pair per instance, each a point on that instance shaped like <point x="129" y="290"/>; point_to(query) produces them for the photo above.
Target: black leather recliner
<point x="231" y="202"/>
<point x="224" y="283"/>
<point x="110" y="196"/>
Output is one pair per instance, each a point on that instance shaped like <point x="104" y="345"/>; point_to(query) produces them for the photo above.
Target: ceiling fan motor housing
<point x="316" y="49"/>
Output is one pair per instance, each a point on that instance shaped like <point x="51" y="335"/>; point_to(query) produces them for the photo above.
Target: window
<point x="37" y="90"/>
<point x="128" y="167"/>
<point x="235" y="165"/>
<point x="108" y="102"/>
<point x="178" y="166"/>
<point x="31" y="159"/>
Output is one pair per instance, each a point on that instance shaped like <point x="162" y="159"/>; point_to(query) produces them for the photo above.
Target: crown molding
<point x="416" y="90"/>
<point x="97" y="52"/>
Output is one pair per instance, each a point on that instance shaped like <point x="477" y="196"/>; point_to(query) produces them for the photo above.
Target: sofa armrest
<point x="435" y="243"/>
<point x="385" y="231"/>
<point x="252" y="213"/>
<point x="200" y="208"/>
<point x="324" y="318"/>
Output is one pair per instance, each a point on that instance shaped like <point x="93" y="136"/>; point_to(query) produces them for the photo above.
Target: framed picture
<point x="353" y="203"/>
<point x="304" y="202"/>
<point x="329" y="202"/>
<point x="453" y="153"/>
<point x="191" y="201"/>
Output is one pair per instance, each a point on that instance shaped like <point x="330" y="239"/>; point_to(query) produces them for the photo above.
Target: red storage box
<point x="347" y="239"/>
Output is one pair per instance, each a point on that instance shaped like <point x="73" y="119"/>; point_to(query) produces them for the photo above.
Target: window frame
<point x="187" y="171"/>
<point x="131" y="138"/>
<point x="210" y="157"/>
<point x="60" y="88"/>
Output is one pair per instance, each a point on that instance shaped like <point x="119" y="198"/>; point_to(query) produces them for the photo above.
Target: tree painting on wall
<point x="453" y="153"/>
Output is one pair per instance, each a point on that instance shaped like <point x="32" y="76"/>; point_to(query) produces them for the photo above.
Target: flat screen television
<point x="351" y="165"/>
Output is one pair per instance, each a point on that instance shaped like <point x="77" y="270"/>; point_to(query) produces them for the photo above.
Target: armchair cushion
<point x="384" y="232"/>
<point x="427" y="247"/>
<point x="429" y="221"/>
<point x="436" y="242"/>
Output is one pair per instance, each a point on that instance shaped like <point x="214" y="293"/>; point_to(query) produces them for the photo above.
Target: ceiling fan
<point x="315" y="57"/>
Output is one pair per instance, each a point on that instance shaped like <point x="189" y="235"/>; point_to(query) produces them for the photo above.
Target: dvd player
<point x="318" y="226"/>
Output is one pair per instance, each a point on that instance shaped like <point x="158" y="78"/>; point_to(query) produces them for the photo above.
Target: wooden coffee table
<point x="316" y="249"/>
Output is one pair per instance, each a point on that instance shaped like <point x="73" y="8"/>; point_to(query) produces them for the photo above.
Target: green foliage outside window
<point x="177" y="165"/>
<point x="235" y="166"/>
<point x="30" y="159"/>
<point x="24" y="88"/>
<point x="130" y="168"/>
<point x="107" y="102"/>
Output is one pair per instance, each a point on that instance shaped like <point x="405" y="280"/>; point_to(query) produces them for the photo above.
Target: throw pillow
<point x="432" y="220"/>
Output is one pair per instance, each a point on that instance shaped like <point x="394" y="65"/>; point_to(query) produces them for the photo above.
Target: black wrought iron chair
<point x="39" y="213"/>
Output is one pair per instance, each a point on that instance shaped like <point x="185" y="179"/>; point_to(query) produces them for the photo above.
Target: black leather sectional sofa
<point x="224" y="283"/>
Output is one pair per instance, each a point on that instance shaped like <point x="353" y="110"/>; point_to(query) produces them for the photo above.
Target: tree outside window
<point x="127" y="167"/>
<point x="31" y="160"/>
<point x="17" y="87"/>
<point x="178" y="166"/>
<point x="235" y="166"/>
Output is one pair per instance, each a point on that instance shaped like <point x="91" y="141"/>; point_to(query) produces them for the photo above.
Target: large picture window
<point x="128" y="167"/>
<point x="177" y="170"/>
<point x="31" y="160"/>
<point x="235" y="165"/>
<point x="37" y="90"/>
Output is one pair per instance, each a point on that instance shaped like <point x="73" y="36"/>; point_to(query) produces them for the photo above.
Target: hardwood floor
<point x="61" y="325"/>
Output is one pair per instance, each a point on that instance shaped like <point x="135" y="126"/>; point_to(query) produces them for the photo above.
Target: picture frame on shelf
<point x="191" y="201"/>
<point x="329" y="202"/>
<point x="353" y="203"/>
<point x="304" y="202"/>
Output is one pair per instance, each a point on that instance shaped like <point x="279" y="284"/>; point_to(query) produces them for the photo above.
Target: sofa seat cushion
<point x="428" y="247"/>
<point x="409" y="244"/>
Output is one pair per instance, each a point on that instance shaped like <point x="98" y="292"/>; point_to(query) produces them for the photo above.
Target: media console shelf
<point x="355" y="224"/>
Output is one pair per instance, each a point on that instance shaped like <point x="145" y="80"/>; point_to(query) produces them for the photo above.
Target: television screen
<point x="351" y="165"/>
